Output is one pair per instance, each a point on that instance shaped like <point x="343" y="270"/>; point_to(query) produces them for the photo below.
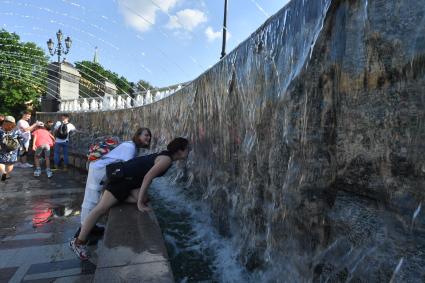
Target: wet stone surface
<point x="38" y="218"/>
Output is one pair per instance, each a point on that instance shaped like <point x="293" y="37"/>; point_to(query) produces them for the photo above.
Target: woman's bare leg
<point x="132" y="198"/>
<point x="134" y="194"/>
<point x="106" y="202"/>
<point x="9" y="168"/>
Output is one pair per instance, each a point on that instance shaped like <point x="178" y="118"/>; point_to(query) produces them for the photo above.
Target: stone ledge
<point x="133" y="249"/>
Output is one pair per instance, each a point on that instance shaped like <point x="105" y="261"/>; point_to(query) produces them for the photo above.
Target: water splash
<point x="396" y="270"/>
<point x="203" y="237"/>
<point x="415" y="214"/>
<point x="365" y="13"/>
<point x="316" y="36"/>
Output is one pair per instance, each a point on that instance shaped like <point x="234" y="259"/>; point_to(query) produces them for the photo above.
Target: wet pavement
<point x="38" y="217"/>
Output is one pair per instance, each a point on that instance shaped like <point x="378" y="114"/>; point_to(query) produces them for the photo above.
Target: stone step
<point x="133" y="249"/>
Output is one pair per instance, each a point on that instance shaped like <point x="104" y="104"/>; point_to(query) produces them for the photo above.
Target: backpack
<point x="9" y="143"/>
<point x="102" y="146"/>
<point x="62" y="131"/>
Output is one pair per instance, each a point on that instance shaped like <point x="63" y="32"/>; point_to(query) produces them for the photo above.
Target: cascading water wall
<point x="308" y="142"/>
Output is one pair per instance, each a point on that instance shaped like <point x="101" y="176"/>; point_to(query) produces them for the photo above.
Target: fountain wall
<point x="308" y="141"/>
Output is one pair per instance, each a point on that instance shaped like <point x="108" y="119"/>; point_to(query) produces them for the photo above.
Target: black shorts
<point x="121" y="190"/>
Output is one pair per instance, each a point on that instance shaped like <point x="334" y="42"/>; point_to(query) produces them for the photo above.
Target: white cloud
<point x="141" y="14"/>
<point x="187" y="19"/>
<point x="213" y="35"/>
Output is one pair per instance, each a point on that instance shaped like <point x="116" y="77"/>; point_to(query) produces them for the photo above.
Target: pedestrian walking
<point x="10" y="141"/>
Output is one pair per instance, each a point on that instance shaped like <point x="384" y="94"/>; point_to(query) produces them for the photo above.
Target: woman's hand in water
<point x="143" y="207"/>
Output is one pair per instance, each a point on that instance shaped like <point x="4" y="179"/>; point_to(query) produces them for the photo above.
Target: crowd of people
<point x="16" y="138"/>
<point x="122" y="174"/>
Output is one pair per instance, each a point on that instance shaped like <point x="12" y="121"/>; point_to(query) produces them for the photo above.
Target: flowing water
<point x="197" y="253"/>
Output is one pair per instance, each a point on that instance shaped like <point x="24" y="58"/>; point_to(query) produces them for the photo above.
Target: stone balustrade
<point x="115" y="102"/>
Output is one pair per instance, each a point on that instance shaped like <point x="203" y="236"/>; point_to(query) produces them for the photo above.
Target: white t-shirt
<point x="125" y="151"/>
<point x="22" y="124"/>
<point x="69" y="128"/>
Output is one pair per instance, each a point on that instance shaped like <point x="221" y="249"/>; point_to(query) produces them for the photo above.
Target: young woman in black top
<point x="140" y="172"/>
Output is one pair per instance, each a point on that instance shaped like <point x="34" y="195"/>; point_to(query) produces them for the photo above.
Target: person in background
<point x="10" y="141"/>
<point x="1" y="119"/>
<point x="43" y="142"/>
<point x="138" y="175"/>
<point x="25" y="128"/>
<point x="49" y="126"/>
<point x="62" y="129"/>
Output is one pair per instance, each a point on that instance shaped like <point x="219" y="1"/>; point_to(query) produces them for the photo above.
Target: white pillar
<point x="148" y="98"/>
<point x="85" y="105"/>
<point x="93" y="104"/>
<point x="128" y="102"/>
<point x="139" y="100"/>
<point x="120" y="102"/>
<point x="77" y="105"/>
<point x="105" y="103"/>
<point x="112" y="103"/>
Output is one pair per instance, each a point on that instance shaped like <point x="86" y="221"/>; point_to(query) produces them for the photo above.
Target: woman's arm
<point x="160" y="166"/>
<point x="52" y="137"/>
<point x="33" y="143"/>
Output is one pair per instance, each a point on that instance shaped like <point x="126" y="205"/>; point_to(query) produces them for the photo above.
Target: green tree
<point x="96" y="75"/>
<point x="23" y="73"/>
<point x="143" y="85"/>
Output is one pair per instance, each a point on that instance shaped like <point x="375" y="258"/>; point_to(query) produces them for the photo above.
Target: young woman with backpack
<point x="125" y="151"/>
<point x="10" y="142"/>
<point x="138" y="175"/>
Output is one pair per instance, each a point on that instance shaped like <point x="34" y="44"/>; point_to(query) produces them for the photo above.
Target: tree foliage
<point x="23" y="73"/>
<point x="94" y="75"/>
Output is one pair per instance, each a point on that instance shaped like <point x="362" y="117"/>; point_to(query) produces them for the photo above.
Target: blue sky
<point x="161" y="41"/>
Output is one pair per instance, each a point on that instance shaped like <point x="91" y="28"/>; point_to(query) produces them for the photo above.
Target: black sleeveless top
<point x="138" y="167"/>
<point x="134" y="171"/>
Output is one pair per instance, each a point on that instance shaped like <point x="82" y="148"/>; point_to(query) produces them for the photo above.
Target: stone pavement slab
<point x="38" y="217"/>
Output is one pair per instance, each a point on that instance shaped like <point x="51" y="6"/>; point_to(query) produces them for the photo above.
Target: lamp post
<point x="223" y="47"/>
<point x="59" y="49"/>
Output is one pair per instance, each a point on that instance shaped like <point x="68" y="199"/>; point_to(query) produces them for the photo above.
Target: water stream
<point x="197" y="253"/>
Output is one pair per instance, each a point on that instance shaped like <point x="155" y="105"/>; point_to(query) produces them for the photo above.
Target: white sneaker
<point x="49" y="173"/>
<point x="37" y="172"/>
<point x="80" y="250"/>
<point x="27" y="165"/>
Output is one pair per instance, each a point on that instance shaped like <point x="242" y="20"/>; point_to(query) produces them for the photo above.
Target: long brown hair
<point x="136" y="135"/>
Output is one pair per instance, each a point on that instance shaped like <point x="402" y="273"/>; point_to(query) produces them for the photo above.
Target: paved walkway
<point x="38" y="216"/>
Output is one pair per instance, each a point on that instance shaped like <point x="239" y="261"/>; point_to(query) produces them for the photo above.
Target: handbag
<point x="115" y="171"/>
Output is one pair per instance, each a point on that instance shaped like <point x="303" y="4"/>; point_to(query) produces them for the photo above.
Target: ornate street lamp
<point x="59" y="49"/>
